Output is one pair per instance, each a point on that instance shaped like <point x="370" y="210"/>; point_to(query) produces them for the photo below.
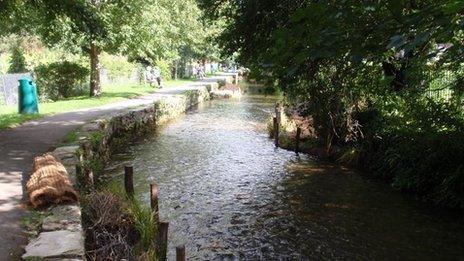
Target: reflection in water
<point x="229" y="194"/>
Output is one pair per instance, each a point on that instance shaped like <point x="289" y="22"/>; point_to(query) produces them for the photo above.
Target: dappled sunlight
<point x="223" y="180"/>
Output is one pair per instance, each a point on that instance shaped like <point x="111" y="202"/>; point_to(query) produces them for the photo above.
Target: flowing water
<point x="229" y="194"/>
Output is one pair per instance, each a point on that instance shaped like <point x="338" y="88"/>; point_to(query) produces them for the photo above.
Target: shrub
<point x="117" y="67"/>
<point x="165" y="68"/>
<point x="109" y="232"/>
<point x="18" y="61"/>
<point x="430" y="166"/>
<point x="61" y="80"/>
<point x="420" y="151"/>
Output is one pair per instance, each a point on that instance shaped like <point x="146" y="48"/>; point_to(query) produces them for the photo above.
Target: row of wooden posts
<point x="162" y="235"/>
<point x="276" y="123"/>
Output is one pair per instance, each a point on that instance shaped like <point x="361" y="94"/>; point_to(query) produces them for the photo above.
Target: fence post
<point x="278" y="113"/>
<point x="79" y="176"/>
<point x="78" y="171"/>
<point x="297" y="140"/>
<point x="129" y="180"/>
<point x="276" y="131"/>
<point x="162" y="240"/>
<point x="180" y="253"/>
<point x="154" y="201"/>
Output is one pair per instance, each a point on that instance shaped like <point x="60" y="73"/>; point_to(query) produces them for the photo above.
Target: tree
<point x="349" y="50"/>
<point x="176" y="31"/>
<point x="363" y="72"/>
<point x="18" y="61"/>
<point x="145" y="31"/>
<point x="91" y="26"/>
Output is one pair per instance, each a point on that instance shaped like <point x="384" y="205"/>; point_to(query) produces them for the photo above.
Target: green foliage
<point x="142" y="216"/>
<point x="430" y="166"/>
<point x="32" y="221"/>
<point x="60" y="79"/>
<point x="365" y="72"/>
<point x="144" y="224"/>
<point x="17" y="61"/>
<point x="117" y="66"/>
<point x="144" y="31"/>
<point x="165" y="69"/>
<point x="71" y="137"/>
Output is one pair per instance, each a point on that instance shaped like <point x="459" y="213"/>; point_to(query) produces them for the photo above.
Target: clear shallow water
<point x="230" y="195"/>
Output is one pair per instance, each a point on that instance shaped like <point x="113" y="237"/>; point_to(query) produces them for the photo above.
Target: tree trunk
<point x="95" y="85"/>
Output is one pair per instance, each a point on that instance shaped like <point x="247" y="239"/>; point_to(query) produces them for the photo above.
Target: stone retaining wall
<point x="62" y="236"/>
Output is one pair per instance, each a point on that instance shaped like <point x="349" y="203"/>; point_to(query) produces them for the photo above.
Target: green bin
<point x="27" y="94"/>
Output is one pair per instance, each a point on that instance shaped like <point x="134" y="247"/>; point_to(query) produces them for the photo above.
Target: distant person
<point x="156" y="72"/>
<point x="201" y="72"/>
<point x="149" y="75"/>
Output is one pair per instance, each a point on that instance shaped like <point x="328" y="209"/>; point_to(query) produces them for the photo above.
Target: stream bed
<point x="229" y="194"/>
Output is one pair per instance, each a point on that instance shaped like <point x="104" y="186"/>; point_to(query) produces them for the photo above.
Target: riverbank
<point x="21" y="144"/>
<point x="95" y="141"/>
<point x="409" y="161"/>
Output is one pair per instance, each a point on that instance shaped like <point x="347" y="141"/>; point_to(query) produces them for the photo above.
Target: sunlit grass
<point x="9" y="117"/>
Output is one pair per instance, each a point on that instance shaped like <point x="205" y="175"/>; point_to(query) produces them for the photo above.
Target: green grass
<point x="9" y="117"/>
<point x="70" y="137"/>
<point x="143" y="217"/>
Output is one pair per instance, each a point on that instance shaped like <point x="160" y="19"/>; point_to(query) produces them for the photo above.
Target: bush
<point x="421" y="151"/>
<point x="165" y="68"/>
<point x="109" y="232"/>
<point x="429" y="166"/>
<point x="117" y="67"/>
<point x="61" y="80"/>
<point x="18" y="61"/>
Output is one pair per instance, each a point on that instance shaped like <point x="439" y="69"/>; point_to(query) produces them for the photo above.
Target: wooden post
<point x="129" y="180"/>
<point x="297" y="140"/>
<point x="180" y="253"/>
<point x="154" y="201"/>
<point x="79" y="176"/>
<point x="162" y="240"/>
<point x="276" y="131"/>
<point x="278" y="113"/>
<point x="88" y="176"/>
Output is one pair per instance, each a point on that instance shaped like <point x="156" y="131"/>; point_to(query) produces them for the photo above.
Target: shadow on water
<point x="229" y="194"/>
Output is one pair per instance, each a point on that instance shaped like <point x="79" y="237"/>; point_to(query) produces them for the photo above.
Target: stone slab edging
<point x="62" y="235"/>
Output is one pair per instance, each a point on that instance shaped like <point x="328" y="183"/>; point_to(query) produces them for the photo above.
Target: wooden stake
<point x="276" y="131"/>
<point x="154" y="201"/>
<point x="162" y="240"/>
<point x="84" y="177"/>
<point x="129" y="180"/>
<point x="278" y="113"/>
<point x="297" y="139"/>
<point x="79" y="176"/>
<point x="180" y="253"/>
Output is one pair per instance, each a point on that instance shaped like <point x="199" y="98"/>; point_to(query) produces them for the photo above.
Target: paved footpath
<point x="20" y="145"/>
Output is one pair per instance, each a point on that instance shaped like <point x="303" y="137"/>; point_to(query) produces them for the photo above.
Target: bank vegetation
<point x="381" y="83"/>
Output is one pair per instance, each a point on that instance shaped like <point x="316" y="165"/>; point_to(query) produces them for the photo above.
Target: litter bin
<point x="27" y="94"/>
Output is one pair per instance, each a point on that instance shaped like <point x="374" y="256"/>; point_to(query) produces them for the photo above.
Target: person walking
<point x="157" y="75"/>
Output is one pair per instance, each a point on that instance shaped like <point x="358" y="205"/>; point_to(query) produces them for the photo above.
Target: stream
<point x="229" y="194"/>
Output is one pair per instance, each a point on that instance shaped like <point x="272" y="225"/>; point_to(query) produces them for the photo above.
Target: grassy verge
<point x="9" y="117"/>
